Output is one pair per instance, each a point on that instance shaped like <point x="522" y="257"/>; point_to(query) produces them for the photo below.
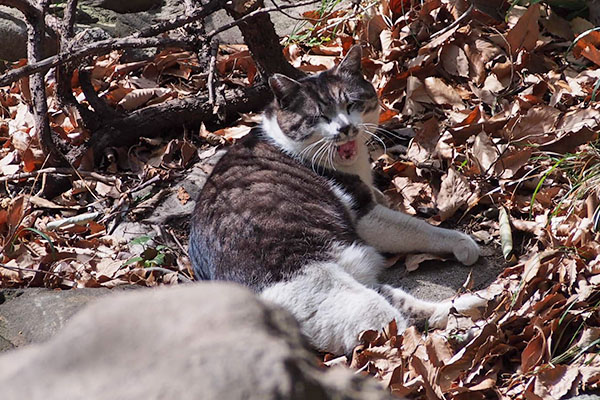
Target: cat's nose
<point x="348" y="130"/>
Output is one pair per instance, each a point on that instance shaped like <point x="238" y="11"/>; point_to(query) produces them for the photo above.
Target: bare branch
<point x="96" y="48"/>
<point x="64" y="73"/>
<point x="259" y="34"/>
<point x="35" y="32"/>
<point x="29" y="10"/>
<point x="91" y="96"/>
<point x="152" y="121"/>
<point x="62" y="171"/>
<point x="69" y="19"/>
<point x="140" y="40"/>
<point x="214" y="48"/>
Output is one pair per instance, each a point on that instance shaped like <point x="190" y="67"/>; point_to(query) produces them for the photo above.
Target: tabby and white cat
<point x="290" y="212"/>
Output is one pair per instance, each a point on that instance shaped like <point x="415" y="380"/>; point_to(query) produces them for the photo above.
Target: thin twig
<point x="174" y="237"/>
<point x="305" y="19"/>
<point x="91" y="50"/>
<point x="167" y="271"/>
<point x="144" y="184"/>
<point x="65" y="171"/>
<point x="31" y="270"/>
<point x="214" y="48"/>
<point x="455" y="23"/>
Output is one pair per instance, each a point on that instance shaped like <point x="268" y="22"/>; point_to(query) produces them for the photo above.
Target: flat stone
<point x="34" y="315"/>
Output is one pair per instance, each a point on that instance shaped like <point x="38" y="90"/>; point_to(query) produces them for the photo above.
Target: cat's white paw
<point x="467" y="304"/>
<point x="465" y="249"/>
<point x="439" y="319"/>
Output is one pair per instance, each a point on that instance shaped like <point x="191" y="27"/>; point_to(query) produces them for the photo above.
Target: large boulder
<point x="208" y="340"/>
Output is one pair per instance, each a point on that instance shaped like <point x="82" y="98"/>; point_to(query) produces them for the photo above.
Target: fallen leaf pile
<point x="507" y="128"/>
<point x="490" y="119"/>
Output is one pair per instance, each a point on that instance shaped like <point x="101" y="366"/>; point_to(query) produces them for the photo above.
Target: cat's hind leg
<point x="435" y="313"/>
<point x="332" y="307"/>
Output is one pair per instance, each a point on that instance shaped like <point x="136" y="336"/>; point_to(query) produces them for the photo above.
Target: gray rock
<point x="209" y="341"/>
<point x="13" y="33"/>
<point x="116" y="24"/>
<point x="120" y="6"/>
<point x="284" y="25"/>
<point x="34" y="315"/>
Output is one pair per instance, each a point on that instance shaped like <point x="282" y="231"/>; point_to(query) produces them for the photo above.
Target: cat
<point x="291" y="212"/>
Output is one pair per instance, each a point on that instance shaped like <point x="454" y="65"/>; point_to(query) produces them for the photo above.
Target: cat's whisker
<point x="328" y="156"/>
<point x="387" y="132"/>
<point x="317" y="154"/>
<point x="331" y="156"/>
<point x="308" y="148"/>
<point x="323" y="156"/>
<point x="374" y="136"/>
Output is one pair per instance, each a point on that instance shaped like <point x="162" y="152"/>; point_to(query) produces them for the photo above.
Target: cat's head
<point x="325" y="118"/>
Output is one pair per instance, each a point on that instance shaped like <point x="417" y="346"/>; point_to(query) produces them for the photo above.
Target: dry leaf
<point x="525" y="33"/>
<point x="454" y="193"/>
<point x="413" y="261"/>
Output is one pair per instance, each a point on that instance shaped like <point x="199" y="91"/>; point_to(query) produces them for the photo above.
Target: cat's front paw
<point x="465" y="249"/>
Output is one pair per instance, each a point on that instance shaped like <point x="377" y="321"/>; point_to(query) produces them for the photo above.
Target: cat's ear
<point x="282" y="86"/>
<point x="351" y="63"/>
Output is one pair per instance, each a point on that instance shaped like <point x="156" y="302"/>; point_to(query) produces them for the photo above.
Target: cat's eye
<point x="350" y="106"/>
<point x="325" y="118"/>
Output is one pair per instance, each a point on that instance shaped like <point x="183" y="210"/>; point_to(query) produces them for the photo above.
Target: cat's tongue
<point x="347" y="150"/>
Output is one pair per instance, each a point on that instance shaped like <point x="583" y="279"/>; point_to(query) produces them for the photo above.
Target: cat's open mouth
<point x="347" y="152"/>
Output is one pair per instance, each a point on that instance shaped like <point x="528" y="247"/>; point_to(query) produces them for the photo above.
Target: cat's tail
<point x="197" y="252"/>
<point x="435" y="313"/>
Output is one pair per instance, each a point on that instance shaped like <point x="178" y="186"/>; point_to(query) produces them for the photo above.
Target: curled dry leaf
<point x="138" y="97"/>
<point x="413" y="261"/>
<point x="454" y="60"/>
<point x="454" y="193"/>
<point x="442" y="94"/>
<point x="505" y="234"/>
<point x="555" y="381"/>
<point x="524" y="34"/>
<point x="425" y="141"/>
